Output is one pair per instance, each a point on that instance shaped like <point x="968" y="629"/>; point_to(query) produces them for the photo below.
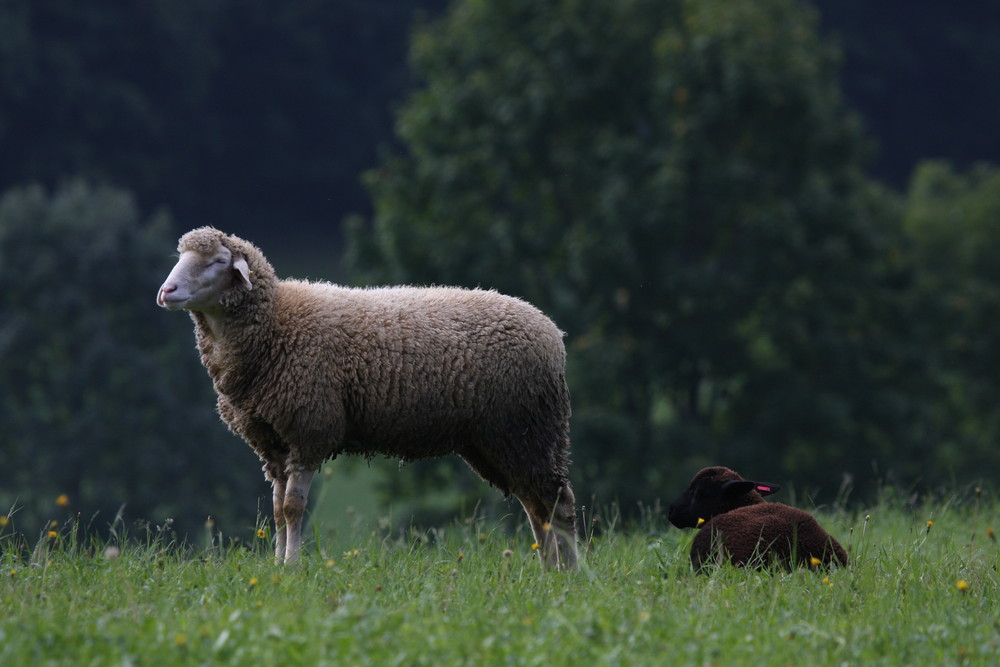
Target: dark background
<point x="255" y="116"/>
<point x="122" y="125"/>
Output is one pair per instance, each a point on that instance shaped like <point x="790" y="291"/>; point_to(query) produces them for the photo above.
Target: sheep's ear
<point x="243" y="269"/>
<point x="735" y="488"/>
<point x="765" y="488"/>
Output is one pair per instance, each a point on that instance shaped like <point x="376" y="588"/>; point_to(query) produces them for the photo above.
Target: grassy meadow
<point x="922" y="590"/>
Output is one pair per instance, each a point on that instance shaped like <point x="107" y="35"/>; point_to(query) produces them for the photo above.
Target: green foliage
<point x="101" y="394"/>
<point x="681" y="187"/>
<point x="951" y="222"/>
<point x="465" y="594"/>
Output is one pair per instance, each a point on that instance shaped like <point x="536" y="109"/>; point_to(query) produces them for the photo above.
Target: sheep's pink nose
<point x="166" y="289"/>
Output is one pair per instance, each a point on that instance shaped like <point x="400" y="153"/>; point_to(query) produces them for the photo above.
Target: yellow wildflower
<point x="180" y="640"/>
<point x="546" y="527"/>
<point x="62" y="500"/>
<point x="962" y="585"/>
<point x="53" y="524"/>
<point x="253" y="582"/>
<point x="813" y="561"/>
<point x="535" y="546"/>
<point x="53" y="534"/>
<point x="460" y="556"/>
<point x="261" y="533"/>
<point x="700" y="521"/>
<point x="4" y="520"/>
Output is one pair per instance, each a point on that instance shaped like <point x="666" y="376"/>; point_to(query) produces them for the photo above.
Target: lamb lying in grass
<point x="737" y="525"/>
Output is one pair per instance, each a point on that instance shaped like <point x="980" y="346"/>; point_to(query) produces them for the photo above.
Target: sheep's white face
<point x="198" y="281"/>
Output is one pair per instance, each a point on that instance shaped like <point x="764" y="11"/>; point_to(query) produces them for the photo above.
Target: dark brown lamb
<point x="305" y="371"/>
<point x="736" y="524"/>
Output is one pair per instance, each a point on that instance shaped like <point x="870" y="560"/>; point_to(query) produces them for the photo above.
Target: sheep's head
<point x="713" y="491"/>
<point x="211" y="265"/>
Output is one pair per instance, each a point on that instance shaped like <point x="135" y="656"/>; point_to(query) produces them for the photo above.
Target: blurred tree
<point x="238" y="113"/>
<point x="680" y="186"/>
<point x="951" y="221"/>
<point x="101" y="395"/>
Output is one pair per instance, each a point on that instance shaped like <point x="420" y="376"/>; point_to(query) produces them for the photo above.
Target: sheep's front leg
<point x="278" y="507"/>
<point x="294" y="508"/>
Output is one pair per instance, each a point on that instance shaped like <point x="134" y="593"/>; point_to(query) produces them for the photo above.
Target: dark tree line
<point x="255" y="113"/>
<point x="248" y="114"/>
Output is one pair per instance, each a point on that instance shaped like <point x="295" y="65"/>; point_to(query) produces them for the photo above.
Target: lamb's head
<point x="713" y="491"/>
<point x="211" y="266"/>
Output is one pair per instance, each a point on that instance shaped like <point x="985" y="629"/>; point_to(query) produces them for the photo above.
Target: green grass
<point x="472" y="595"/>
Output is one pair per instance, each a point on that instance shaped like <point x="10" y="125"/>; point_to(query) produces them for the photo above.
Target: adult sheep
<point x="305" y="371"/>
<point x="736" y="524"/>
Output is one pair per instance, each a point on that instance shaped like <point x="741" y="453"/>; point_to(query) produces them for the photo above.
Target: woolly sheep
<point x="305" y="371"/>
<point x="746" y="529"/>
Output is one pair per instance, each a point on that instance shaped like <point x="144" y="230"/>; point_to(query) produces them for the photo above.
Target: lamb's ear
<point x="243" y="269"/>
<point x="765" y="488"/>
<point x="735" y="488"/>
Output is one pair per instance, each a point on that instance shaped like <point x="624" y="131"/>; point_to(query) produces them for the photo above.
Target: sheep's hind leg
<point x="554" y="527"/>
<point x="552" y="516"/>
<point x="294" y="508"/>
<point x="280" y="528"/>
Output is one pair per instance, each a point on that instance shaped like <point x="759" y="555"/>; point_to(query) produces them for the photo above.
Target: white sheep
<point x="305" y="371"/>
<point x="738" y="525"/>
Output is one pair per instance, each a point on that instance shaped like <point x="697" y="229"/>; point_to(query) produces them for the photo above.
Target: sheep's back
<point x="423" y="368"/>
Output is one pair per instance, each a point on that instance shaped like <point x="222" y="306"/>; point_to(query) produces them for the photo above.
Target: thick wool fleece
<point x="305" y="371"/>
<point x="765" y="532"/>
<point x="745" y="529"/>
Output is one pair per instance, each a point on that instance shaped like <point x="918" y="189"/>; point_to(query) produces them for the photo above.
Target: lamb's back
<point x="781" y="530"/>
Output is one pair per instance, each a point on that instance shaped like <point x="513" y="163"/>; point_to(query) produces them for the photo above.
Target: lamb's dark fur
<point x="305" y="371"/>
<point x="739" y="526"/>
